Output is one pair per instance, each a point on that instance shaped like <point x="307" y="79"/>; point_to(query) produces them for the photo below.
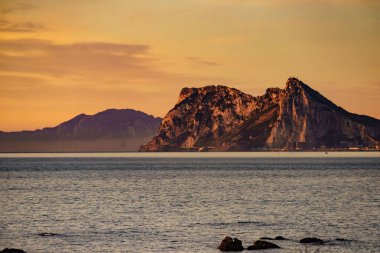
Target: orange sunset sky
<point x="62" y="58"/>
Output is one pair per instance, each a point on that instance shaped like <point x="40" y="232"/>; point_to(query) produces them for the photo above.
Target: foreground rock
<point x="6" y="250"/>
<point x="278" y="238"/>
<point x="266" y="238"/>
<point x="229" y="244"/>
<point x="48" y="234"/>
<point x="259" y="245"/>
<point x="312" y="240"/>
<point x="342" y="240"/>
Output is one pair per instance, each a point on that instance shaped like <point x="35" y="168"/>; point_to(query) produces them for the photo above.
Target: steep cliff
<point x="296" y="117"/>
<point x="308" y="120"/>
<point x="200" y="116"/>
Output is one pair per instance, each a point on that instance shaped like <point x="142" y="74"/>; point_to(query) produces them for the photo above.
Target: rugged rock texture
<point x="200" y="116"/>
<point x="228" y="244"/>
<point x="110" y="130"/>
<point x="219" y="118"/>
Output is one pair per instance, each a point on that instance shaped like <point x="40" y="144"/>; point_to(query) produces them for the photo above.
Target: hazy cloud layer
<point x="82" y="60"/>
<point x="54" y="81"/>
<point x="8" y="26"/>
<point x="61" y="58"/>
<point x="202" y="61"/>
<point x="12" y="6"/>
<point x="306" y="2"/>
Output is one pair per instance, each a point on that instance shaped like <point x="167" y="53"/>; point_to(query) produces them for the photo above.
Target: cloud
<point x="303" y="2"/>
<point x="9" y="7"/>
<point x="8" y="26"/>
<point x="42" y="82"/>
<point x="86" y="61"/>
<point x="203" y="61"/>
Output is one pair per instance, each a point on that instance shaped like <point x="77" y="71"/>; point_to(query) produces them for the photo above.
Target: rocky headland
<point x="219" y="118"/>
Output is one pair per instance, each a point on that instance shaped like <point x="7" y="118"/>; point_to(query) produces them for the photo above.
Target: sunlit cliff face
<point x="220" y="118"/>
<point x="62" y="58"/>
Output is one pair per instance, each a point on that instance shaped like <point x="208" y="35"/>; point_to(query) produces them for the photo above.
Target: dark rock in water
<point x="280" y="238"/>
<point x="312" y="240"/>
<point x="266" y="238"/>
<point x="258" y="245"/>
<point x="47" y="234"/>
<point x="341" y="240"/>
<point x="6" y="250"/>
<point x="229" y="244"/>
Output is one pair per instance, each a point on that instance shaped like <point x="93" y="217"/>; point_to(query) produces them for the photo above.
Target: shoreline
<point x="235" y="154"/>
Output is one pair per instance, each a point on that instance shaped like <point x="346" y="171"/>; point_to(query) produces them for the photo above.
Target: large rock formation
<point x="110" y="130"/>
<point x="260" y="245"/>
<point x="219" y="118"/>
<point x="230" y="245"/>
<point x="200" y="116"/>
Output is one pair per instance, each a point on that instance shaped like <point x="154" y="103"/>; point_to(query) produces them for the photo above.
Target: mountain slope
<point x="110" y="130"/>
<point x="201" y="115"/>
<point x="297" y="117"/>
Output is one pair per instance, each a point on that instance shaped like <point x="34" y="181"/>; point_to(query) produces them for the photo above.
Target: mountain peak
<point x="109" y="130"/>
<point x="185" y="93"/>
<point x="294" y="83"/>
<point x="220" y="118"/>
<point x="205" y="90"/>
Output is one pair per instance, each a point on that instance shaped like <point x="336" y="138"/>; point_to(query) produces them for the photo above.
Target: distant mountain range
<point x="110" y="130"/>
<point x="212" y="118"/>
<point x="219" y="118"/>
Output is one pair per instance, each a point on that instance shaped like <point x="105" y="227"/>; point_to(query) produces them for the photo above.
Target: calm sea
<point x="188" y="202"/>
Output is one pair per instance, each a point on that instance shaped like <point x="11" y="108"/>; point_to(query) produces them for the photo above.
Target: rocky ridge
<point x="219" y="118"/>
<point x="109" y="130"/>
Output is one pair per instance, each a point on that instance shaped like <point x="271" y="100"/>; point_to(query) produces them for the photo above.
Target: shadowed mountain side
<point x="294" y="118"/>
<point x="110" y="130"/>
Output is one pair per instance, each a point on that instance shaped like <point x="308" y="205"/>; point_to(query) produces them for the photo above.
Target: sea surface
<point x="188" y="202"/>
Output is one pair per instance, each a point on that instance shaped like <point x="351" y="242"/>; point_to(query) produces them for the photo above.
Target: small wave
<point x="220" y="224"/>
<point x="250" y="222"/>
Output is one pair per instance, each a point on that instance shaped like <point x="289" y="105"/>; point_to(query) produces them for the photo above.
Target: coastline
<point x="232" y="154"/>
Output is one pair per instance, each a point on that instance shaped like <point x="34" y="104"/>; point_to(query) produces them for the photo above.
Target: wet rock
<point x="278" y="238"/>
<point x="312" y="240"/>
<point x="258" y="245"/>
<point x="47" y="234"/>
<point x="10" y="250"/>
<point x="341" y="240"/>
<point x="266" y="238"/>
<point x="229" y="244"/>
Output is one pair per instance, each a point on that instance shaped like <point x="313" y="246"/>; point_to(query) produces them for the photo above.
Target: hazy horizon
<point x="106" y="109"/>
<point x="61" y="59"/>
